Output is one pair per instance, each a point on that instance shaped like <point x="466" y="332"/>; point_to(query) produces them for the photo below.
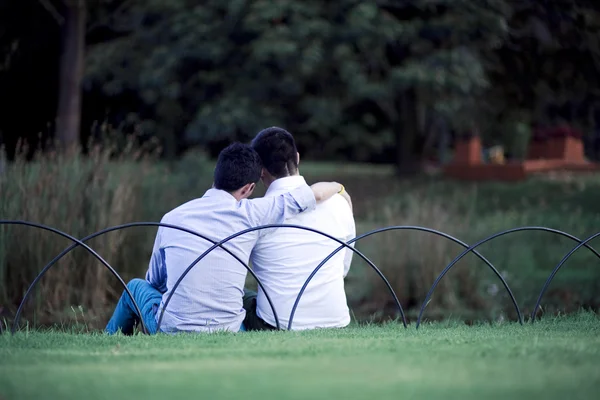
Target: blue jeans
<point x="125" y="315"/>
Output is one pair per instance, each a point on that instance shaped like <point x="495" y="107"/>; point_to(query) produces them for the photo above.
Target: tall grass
<point x="79" y="195"/>
<point x="83" y="194"/>
<point x="412" y="260"/>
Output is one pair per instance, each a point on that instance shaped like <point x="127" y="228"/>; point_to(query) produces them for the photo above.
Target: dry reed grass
<point x="79" y="195"/>
<point x="412" y="260"/>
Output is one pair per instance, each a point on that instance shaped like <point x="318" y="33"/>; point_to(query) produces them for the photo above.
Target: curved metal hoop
<point x="471" y="248"/>
<point x="555" y="271"/>
<point x="414" y="228"/>
<point x="78" y="242"/>
<point x="120" y="227"/>
<point x="257" y="228"/>
<point x="85" y="246"/>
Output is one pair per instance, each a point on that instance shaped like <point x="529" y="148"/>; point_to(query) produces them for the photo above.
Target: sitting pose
<point x="209" y="298"/>
<point x="283" y="258"/>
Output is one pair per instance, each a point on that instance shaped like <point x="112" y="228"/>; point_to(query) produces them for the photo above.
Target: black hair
<point x="277" y="150"/>
<point x="238" y="165"/>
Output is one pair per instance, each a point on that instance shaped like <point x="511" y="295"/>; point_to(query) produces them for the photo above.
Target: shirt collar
<point x="284" y="185"/>
<point x="218" y="193"/>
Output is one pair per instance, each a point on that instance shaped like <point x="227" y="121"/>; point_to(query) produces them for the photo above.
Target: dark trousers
<point x="253" y="322"/>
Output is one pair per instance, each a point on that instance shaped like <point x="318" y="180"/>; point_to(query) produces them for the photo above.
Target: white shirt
<point x="283" y="258"/>
<point x="209" y="298"/>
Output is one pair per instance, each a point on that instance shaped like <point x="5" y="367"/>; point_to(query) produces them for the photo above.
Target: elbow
<point x="319" y="196"/>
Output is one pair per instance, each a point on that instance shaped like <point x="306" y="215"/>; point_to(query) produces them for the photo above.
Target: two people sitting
<point x="211" y="297"/>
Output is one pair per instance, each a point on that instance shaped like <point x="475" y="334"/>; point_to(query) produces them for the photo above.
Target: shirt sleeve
<point x="157" y="272"/>
<point x="276" y="209"/>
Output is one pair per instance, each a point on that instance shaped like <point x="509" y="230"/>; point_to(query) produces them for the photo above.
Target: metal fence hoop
<point x="85" y="246"/>
<point x="407" y="227"/>
<point x="121" y="227"/>
<point x="555" y="271"/>
<point x="258" y="228"/>
<point x="489" y="238"/>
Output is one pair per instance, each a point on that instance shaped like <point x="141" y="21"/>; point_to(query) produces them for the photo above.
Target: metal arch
<point x="415" y="228"/>
<point x="257" y="228"/>
<point x="377" y="270"/>
<point x="120" y="227"/>
<point x="471" y="248"/>
<point x="89" y="249"/>
<point x="555" y="271"/>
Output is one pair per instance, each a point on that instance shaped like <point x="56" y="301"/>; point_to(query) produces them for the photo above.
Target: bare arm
<point x="325" y="190"/>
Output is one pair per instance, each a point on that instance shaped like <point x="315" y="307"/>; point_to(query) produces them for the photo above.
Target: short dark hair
<point x="277" y="150"/>
<point x="238" y="165"/>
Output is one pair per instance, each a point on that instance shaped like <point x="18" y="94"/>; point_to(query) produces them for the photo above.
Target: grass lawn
<point x="555" y="358"/>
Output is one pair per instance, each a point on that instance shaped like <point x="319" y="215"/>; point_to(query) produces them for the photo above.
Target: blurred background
<point x="112" y="111"/>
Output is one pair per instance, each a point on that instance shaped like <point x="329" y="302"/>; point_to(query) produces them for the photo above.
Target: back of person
<point x="210" y="296"/>
<point x="284" y="258"/>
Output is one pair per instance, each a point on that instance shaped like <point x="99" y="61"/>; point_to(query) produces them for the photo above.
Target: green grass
<point x="556" y="358"/>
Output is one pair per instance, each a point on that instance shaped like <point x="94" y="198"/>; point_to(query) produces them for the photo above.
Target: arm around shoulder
<point x="276" y="209"/>
<point x="325" y="190"/>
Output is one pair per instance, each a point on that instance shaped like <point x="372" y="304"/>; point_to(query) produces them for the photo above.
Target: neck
<point x="268" y="181"/>
<point x="238" y="196"/>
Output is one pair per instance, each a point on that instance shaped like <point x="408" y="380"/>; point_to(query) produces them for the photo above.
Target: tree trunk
<point x="407" y="132"/>
<point x="68" y="118"/>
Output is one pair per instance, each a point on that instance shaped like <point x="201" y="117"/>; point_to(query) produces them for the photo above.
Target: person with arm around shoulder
<point x="209" y="298"/>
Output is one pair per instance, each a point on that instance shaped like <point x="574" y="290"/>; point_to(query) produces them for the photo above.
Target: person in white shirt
<point x="209" y="298"/>
<point x="283" y="258"/>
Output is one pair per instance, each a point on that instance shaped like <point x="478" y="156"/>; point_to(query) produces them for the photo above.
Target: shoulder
<point x="178" y="211"/>
<point x="338" y="210"/>
<point x="251" y="204"/>
<point x="337" y="204"/>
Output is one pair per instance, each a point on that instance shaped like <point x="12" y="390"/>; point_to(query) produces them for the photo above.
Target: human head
<point x="237" y="171"/>
<point x="277" y="150"/>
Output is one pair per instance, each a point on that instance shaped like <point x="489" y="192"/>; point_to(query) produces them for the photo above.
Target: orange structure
<point x="560" y="149"/>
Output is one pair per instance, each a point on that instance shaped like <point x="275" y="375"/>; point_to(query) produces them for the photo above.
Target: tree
<point x="68" y="117"/>
<point x="551" y="58"/>
<point x="29" y="48"/>
<point x="441" y="68"/>
<point x="545" y="70"/>
<point x="71" y="16"/>
<point x="361" y="79"/>
<point x="34" y="28"/>
<point x="210" y="70"/>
